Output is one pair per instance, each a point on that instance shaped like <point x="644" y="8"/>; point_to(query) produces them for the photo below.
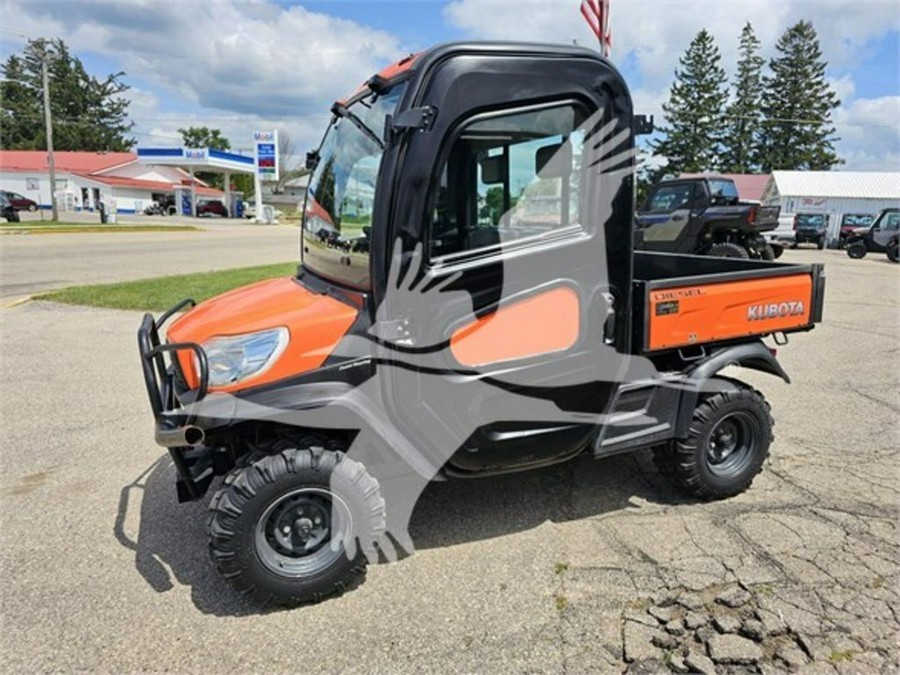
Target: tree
<point x="88" y="113"/>
<point x="798" y="132"/>
<point x="740" y="147"/>
<point x="289" y="165"/>
<point x="204" y="137"/>
<point x="693" y="112"/>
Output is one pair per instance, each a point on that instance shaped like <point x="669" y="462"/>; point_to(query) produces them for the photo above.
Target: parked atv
<point x="810" y="228"/>
<point x="881" y="237"/>
<point x="704" y="216"/>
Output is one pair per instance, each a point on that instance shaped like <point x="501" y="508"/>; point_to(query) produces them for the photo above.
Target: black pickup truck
<point x="704" y="216"/>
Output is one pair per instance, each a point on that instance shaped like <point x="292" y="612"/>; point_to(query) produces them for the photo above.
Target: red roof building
<point x="83" y="179"/>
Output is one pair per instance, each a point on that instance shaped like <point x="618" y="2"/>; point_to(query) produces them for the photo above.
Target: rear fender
<point x="754" y="355"/>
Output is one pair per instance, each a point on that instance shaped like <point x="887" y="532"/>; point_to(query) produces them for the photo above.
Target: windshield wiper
<point x="343" y="111"/>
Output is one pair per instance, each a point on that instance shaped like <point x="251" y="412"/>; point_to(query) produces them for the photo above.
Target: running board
<point x="642" y="414"/>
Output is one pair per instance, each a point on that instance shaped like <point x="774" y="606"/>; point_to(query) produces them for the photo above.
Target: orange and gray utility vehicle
<point x="470" y="218"/>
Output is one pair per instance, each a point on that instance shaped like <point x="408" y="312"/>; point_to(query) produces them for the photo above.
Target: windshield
<point x="850" y="220"/>
<point x="340" y="200"/>
<point x="814" y="220"/>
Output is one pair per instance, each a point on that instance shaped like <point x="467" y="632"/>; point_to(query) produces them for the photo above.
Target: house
<point x="83" y="179"/>
<point x="289" y="197"/>
<point x="834" y="193"/>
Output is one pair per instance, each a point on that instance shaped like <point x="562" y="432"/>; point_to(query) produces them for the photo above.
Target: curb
<point x="17" y="302"/>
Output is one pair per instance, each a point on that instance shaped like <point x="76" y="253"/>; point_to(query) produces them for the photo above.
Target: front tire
<point x="727" y="443"/>
<point x="857" y="250"/>
<point x="726" y="249"/>
<point x="821" y="243"/>
<point x="32" y="208"/>
<point x="297" y="526"/>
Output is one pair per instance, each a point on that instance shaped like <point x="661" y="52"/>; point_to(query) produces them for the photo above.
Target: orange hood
<point x="316" y="323"/>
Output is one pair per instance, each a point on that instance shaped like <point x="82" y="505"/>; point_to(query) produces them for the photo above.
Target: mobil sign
<point x="266" y="146"/>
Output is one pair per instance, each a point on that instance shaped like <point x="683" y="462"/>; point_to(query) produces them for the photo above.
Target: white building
<point x="835" y="193"/>
<point x="83" y="179"/>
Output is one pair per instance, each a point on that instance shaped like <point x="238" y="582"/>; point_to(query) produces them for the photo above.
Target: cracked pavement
<point x="590" y="566"/>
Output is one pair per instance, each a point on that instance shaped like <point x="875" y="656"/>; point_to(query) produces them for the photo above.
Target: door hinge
<point x="421" y="119"/>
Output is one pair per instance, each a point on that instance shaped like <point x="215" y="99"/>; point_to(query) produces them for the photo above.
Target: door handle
<point x="609" y="326"/>
<point x="677" y="219"/>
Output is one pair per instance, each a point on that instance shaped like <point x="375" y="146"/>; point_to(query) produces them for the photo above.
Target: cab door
<point x="667" y="220"/>
<point x="521" y="292"/>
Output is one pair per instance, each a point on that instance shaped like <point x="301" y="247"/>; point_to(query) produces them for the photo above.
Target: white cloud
<point x="654" y="33"/>
<point x="869" y="132"/>
<point x="658" y="31"/>
<point x="237" y="64"/>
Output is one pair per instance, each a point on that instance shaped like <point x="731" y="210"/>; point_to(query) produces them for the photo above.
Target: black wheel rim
<point x="732" y="444"/>
<point x="303" y="532"/>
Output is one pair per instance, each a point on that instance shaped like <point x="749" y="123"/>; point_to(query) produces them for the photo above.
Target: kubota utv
<point x="468" y="302"/>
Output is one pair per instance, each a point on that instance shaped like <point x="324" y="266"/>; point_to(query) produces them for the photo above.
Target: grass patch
<point x="561" y="602"/>
<point x="49" y="227"/>
<point x="160" y="293"/>
<point x="561" y="567"/>
<point x="839" y="656"/>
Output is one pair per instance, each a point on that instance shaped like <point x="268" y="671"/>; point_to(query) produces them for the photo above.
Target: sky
<point x="242" y="65"/>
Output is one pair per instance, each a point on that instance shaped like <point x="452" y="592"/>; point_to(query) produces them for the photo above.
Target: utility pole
<point x="40" y="49"/>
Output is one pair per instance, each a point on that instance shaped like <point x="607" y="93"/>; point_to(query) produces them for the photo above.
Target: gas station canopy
<point x="198" y="159"/>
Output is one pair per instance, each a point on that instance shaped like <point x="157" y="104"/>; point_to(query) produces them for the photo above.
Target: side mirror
<point x="494" y="170"/>
<point x="643" y="125"/>
<point x="312" y="160"/>
<point x="553" y="161"/>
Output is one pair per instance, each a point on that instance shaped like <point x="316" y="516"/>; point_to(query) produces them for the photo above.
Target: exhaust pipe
<point x="180" y="436"/>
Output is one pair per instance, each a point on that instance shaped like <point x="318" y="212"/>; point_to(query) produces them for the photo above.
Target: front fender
<point x="754" y="355"/>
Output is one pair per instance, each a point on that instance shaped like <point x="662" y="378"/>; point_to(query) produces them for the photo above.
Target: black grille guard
<point x="158" y="376"/>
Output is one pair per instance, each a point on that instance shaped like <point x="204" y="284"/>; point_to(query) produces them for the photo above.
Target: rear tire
<point x="726" y="249"/>
<point x="892" y="252"/>
<point x="727" y="443"/>
<point x="767" y="252"/>
<point x="277" y="527"/>
<point x="857" y="250"/>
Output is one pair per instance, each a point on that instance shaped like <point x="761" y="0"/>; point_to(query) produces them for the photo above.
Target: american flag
<point x="596" y="13"/>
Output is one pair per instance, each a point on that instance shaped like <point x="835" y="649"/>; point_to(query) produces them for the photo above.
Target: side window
<point x="509" y="178"/>
<point x="668" y="198"/>
<point x="891" y="222"/>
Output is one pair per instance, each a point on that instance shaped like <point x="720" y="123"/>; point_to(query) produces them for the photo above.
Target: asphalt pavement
<point x="35" y="263"/>
<point x="583" y="567"/>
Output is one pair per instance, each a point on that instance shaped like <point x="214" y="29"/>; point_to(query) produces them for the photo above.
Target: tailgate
<point x="731" y="308"/>
<point x="766" y="218"/>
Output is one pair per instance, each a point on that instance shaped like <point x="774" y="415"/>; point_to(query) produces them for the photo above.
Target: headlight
<point x="235" y="358"/>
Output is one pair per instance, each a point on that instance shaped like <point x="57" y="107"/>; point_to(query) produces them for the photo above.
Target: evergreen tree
<point x="740" y="151"/>
<point x="694" y="110"/>
<point x="88" y="113"/>
<point x="20" y="113"/>
<point x="798" y="133"/>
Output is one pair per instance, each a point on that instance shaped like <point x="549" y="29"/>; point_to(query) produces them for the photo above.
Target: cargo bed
<point x="686" y="300"/>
